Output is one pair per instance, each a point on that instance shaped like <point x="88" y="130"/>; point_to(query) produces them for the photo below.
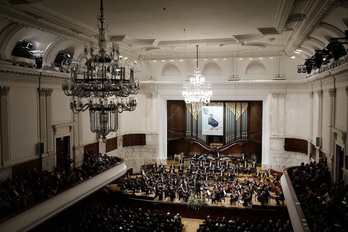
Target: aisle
<point x="191" y="225"/>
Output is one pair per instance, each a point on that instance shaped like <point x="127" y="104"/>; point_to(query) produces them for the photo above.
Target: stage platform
<point x="253" y="211"/>
<point x="223" y="203"/>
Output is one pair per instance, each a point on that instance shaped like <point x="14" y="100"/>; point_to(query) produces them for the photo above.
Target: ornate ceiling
<point x="165" y="29"/>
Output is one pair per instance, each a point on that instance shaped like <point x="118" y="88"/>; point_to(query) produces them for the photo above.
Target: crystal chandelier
<point x="103" y="84"/>
<point x="196" y="92"/>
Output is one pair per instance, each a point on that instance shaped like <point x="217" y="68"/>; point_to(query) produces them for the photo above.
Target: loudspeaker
<point x="317" y="141"/>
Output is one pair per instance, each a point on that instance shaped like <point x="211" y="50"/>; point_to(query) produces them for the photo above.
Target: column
<point x="42" y="120"/>
<point x="278" y="114"/>
<point x="345" y="172"/>
<point x="331" y="158"/>
<point x="274" y="114"/>
<point x="49" y="129"/>
<point x="5" y="156"/>
<point x="320" y="123"/>
<point x="310" y="123"/>
<point x="346" y="140"/>
<point x="281" y="114"/>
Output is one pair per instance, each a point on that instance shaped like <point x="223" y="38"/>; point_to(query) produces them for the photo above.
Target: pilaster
<point x="331" y="158"/>
<point x="5" y="157"/>
<point x="345" y="167"/>
<point x="320" y="123"/>
<point x="49" y="130"/>
<point x="278" y="127"/>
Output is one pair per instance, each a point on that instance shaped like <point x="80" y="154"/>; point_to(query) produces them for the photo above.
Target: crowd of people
<point x="211" y="181"/>
<point x="238" y="225"/>
<point x="324" y="203"/>
<point x="119" y="218"/>
<point x="27" y="189"/>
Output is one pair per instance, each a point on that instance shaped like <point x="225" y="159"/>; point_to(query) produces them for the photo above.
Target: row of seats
<point x="30" y="188"/>
<point x="324" y="203"/>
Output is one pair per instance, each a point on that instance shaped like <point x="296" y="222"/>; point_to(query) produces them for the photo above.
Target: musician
<point x="198" y="189"/>
<point x="154" y="168"/>
<point x="162" y="168"/>
<point x="234" y="197"/>
<point x="172" y="169"/>
<point x="237" y="167"/>
<point x="246" y="196"/>
<point x="253" y="167"/>
<point x="245" y="167"/>
<point x="280" y="197"/>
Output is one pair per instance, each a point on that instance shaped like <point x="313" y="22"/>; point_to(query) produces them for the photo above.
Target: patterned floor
<point x="191" y="225"/>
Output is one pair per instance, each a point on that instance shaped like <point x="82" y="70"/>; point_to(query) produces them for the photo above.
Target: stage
<point x="221" y="209"/>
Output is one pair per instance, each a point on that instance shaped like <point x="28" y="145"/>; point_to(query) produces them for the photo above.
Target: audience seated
<point x="119" y="218"/>
<point x="236" y="224"/>
<point x="324" y="204"/>
<point x="24" y="190"/>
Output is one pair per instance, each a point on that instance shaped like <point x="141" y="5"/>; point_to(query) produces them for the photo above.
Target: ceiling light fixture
<point x="103" y="84"/>
<point x="196" y="92"/>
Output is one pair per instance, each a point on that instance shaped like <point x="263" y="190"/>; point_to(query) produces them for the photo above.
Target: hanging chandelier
<point x="102" y="85"/>
<point x="196" y="92"/>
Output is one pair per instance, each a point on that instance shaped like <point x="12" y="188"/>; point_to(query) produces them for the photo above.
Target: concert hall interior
<point x="169" y="115"/>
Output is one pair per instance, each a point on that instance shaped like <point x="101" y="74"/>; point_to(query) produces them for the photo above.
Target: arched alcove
<point x="170" y="70"/>
<point x="211" y="68"/>
<point x="255" y="67"/>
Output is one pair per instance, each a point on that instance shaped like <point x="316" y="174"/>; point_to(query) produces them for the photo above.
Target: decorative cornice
<point x="332" y="92"/>
<point x="320" y="92"/>
<point x="42" y="23"/>
<point x="320" y="10"/>
<point x="45" y="92"/>
<point x="338" y="32"/>
<point x="279" y="94"/>
<point x="317" y="41"/>
<point x="49" y="92"/>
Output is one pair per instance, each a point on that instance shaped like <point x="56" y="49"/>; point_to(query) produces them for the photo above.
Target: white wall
<point x="341" y="112"/>
<point x="297" y="110"/>
<point x="61" y="112"/>
<point x="23" y="123"/>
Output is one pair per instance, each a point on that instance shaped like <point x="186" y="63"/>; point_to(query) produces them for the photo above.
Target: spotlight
<point x="301" y="68"/>
<point x="60" y="58"/>
<point x="318" y="59"/>
<point x="309" y="65"/>
<point x="22" y="49"/>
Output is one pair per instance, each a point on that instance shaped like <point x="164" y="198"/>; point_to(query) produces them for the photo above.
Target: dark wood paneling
<point x="94" y="147"/>
<point x="255" y="123"/>
<point x="111" y="144"/>
<point x="134" y="140"/>
<point x="27" y="166"/>
<point x="176" y="115"/>
<point x="186" y="146"/>
<point x="176" y="118"/>
<point x="296" y="145"/>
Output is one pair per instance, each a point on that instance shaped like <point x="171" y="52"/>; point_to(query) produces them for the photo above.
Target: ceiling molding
<point x="317" y="11"/>
<point x="248" y="37"/>
<point x="43" y="23"/>
<point x="283" y="14"/>
<point x="320" y="43"/>
<point x="6" y="37"/>
<point x="335" y="30"/>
